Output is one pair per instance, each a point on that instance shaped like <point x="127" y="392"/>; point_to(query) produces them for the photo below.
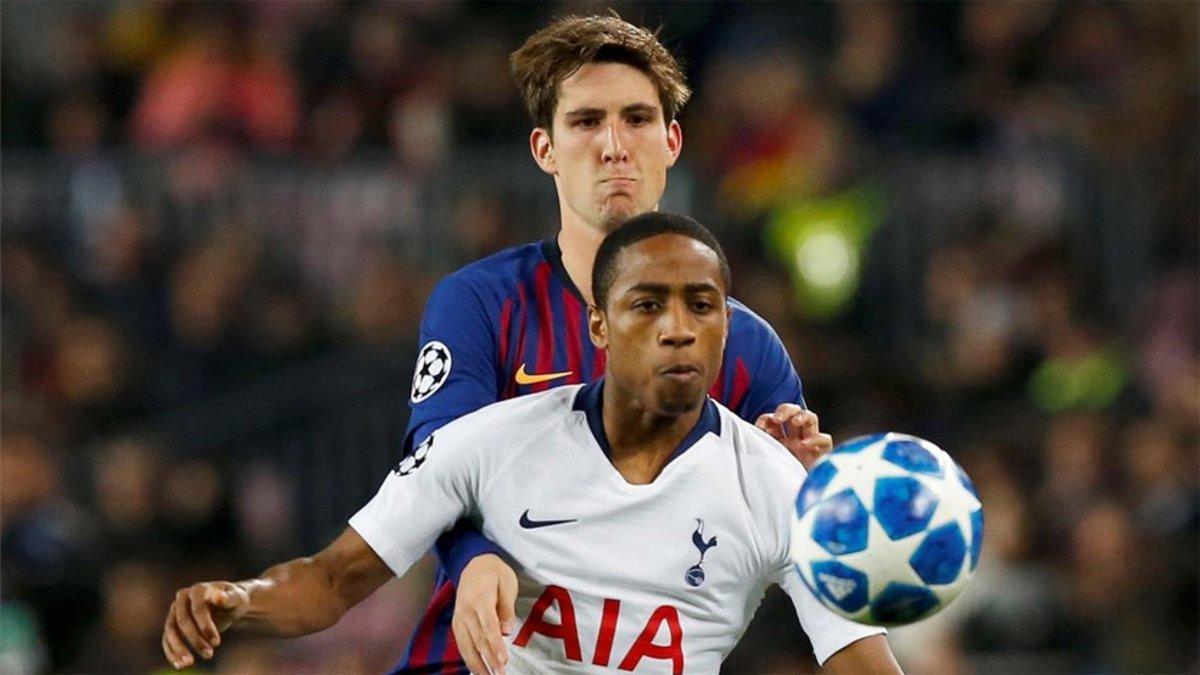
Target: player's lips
<point x="619" y="181"/>
<point x="683" y="372"/>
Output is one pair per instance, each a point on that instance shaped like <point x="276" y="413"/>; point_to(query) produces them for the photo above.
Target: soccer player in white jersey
<point x="644" y="519"/>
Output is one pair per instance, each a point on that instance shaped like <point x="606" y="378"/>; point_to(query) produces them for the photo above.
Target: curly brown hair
<point x="555" y="52"/>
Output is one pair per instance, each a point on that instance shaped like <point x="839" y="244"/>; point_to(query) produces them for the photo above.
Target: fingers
<point x="466" y="646"/>
<point x="492" y="648"/>
<point x="799" y="430"/>
<point x="506" y="605"/>
<point x="788" y="421"/>
<point x="767" y="423"/>
<point x="792" y="421"/>
<point x="785" y="411"/>
<point x="186" y="622"/>
<point x="190" y="625"/>
<point x="797" y="421"/>
<point x="203" y="600"/>
<point x="176" y="652"/>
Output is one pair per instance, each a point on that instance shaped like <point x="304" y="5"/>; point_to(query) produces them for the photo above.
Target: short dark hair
<point x="555" y="52"/>
<point x="638" y="228"/>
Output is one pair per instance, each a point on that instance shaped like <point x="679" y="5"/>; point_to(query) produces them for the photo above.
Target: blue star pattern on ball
<point x="904" y="505"/>
<point x="843" y="586"/>
<point x="814" y="487"/>
<point x="840" y="524"/>
<point x="889" y="532"/>
<point x="939" y="559"/>
<point x="900" y="604"/>
<point x="913" y="456"/>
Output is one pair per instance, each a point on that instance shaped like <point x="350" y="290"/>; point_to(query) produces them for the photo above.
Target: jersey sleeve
<point x="422" y="497"/>
<point x="462" y="544"/>
<point x="455" y="371"/>
<point x="780" y="478"/>
<point x="829" y="632"/>
<point x="773" y="378"/>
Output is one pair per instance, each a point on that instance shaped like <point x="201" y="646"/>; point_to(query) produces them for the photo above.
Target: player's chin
<point x="679" y="398"/>
<point x="617" y="209"/>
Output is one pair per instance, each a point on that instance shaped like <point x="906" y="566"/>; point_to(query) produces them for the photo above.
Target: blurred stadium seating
<point x="976" y="222"/>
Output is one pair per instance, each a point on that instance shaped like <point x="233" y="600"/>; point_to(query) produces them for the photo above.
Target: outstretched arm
<point x="295" y="598"/>
<point x="868" y="655"/>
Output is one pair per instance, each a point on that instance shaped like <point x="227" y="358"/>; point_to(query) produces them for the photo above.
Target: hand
<point x="484" y="611"/>
<point x="799" y="431"/>
<point x="197" y="618"/>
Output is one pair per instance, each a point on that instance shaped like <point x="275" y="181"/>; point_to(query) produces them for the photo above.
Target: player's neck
<point x="579" y="244"/>
<point x="642" y="442"/>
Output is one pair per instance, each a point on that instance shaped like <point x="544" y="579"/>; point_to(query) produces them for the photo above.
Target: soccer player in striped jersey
<point x="645" y="519"/>
<point x="603" y="95"/>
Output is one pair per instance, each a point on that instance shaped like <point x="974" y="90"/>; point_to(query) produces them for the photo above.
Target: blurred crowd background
<point x="976" y="222"/>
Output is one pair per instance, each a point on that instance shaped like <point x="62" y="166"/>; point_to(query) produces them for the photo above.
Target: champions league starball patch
<point x="415" y="459"/>
<point x="433" y="368"/>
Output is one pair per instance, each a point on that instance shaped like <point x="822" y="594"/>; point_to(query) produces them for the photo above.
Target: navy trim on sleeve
<point x="460" y="545"/>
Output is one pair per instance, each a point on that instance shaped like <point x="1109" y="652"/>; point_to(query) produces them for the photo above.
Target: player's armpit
<point x="869" y="656"/>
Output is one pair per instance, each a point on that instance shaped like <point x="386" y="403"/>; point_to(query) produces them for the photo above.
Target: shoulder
<point x="771" y="473"/>
<point x="499" y="269"/>
<point x="527" y="415"/>
<point x="769" y="477"/>
<point x="480" y="288"/>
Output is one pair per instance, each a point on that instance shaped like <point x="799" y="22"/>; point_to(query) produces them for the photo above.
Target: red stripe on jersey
<point x="599" y="362"/>
<point x="741" y="385"/>
<point x="423" y="640"/>
<point x="545" y="338"/>
<point x="505" y="322"/>
<point x="451" y="658"/>
<point x="571" y="309"/>
<point x="717" y="390"/>
<point x="510" y="387"/>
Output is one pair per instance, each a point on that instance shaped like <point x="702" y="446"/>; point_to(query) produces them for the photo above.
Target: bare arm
<point x="295" y="598"/>
<point x="868" y="655"/>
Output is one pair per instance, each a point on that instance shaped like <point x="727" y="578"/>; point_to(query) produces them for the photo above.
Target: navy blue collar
<point x="590" y="400"/>
<point x="553" y="254"/>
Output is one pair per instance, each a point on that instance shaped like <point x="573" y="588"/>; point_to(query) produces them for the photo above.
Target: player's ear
<point x="597" y="327"/>
<point x="541" y="145"/>
<point x="674" y="142"/>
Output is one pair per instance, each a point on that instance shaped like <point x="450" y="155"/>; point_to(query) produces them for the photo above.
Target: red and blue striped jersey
<point x="513" y="324"/>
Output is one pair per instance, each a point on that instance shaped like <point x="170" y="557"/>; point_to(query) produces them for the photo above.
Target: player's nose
<point x="614" y="145"/>
<point x="676" y="327"/>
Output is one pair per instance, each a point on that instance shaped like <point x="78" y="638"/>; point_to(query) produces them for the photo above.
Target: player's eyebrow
<point x="701" y="287"/>
<point x="643" y="108"/>
<point x="649" y="287"/>
<point x="585" y="112"/>
<point x="663" y="289"/>
<point x="632" y="108"/>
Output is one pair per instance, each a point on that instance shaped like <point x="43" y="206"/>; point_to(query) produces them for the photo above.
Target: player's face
<point x="609" y="149"/>
<point x="664" y="324"/>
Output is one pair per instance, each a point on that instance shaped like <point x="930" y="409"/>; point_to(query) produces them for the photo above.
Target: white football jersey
<point x="658" y="578"/>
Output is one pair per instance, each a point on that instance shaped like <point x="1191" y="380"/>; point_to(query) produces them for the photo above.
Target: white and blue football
<point x="887" y="529"/>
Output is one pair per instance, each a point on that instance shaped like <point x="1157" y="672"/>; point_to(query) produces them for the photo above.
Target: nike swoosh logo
<point x="524" y="378"/>
<point x="530" y="524"/>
